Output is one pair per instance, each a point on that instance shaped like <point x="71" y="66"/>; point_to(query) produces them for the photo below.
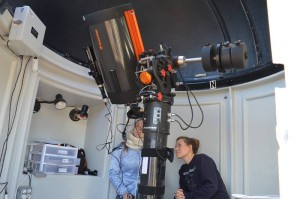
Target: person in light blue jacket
<point x="125" y="163"/>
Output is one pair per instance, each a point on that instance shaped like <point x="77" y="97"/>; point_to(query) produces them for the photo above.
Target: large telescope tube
<point x="154" y="152"/>
<point x="117" y="45"/>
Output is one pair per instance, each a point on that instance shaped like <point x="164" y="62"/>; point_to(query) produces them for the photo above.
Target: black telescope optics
<point x="95" y="71"/>
<point x="114" y="52"/>
<point x="220" y="57"/>
<point x="117" y="48"/>
<point x="132" y="75"/>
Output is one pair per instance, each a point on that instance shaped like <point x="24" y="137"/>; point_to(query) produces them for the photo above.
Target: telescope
<point x="132" y="75"/>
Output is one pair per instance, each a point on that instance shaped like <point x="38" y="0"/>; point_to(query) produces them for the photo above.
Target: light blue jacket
<point x="124" y="170"/>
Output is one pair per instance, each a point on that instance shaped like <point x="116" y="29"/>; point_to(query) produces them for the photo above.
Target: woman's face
<point x="182" y="149"/>
<point x="138" y="129"/>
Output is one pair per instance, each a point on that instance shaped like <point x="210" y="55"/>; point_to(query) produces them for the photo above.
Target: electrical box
<point x="27" y="32"/>
<point x="24" y="192"/>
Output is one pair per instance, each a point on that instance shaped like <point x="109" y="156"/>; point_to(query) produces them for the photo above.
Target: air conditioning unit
<point x="27" y="32"/>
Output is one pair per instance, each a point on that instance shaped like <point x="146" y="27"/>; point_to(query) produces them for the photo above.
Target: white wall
<point x="8" y="66"/>
<point x="19" y="110"/>
<point x="50" y="123"/>
<point x="255" y="168"/>
<point x="214" y="133"/>
<point x="87" y="134"/>
<point x="238" y="132"/>
<point x="58" y="75"/>
<point x="54" y="75"/>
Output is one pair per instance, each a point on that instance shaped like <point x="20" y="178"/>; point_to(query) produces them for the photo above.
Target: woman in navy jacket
<point x="199" y="176"/>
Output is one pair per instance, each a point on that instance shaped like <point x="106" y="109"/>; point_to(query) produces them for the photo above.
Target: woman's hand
<point x="179" y="194"/>
<point x="127" y="196"/>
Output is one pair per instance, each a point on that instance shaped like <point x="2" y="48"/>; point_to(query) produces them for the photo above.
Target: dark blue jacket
<point x="200" y="179"/>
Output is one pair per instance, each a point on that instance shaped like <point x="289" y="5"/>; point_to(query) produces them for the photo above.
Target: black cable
<point x="4" y="146"/>
<point x="120" y="167"/>
<point x="9" y="112"/>
<point x="5" y="185"/>
<point x="71" y="107"/>
<point x="122" y="124"/>
<point x="2" y="38"/>
<point x="9" y="127"/>
<point x="107" y="143"/>
<point x="29" y="176"/>
<point x="170" y="58"/>
<point x="188" y="90"/>
<point x="124" y="130"/>
<point x="10" y="48"/>
<point x="180" y="125"/>
<point x="189" y="125"/>
<point x="202" y="114"/>
<point x="110" y="133"/>
<point x="121" y="172"/>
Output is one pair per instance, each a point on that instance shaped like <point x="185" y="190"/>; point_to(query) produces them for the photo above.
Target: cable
<point x="120" y="167"/>
<point x="10" y="126"/>
<point x="169" y="57"/>
<point x="122" y="124"/>
<point x="5" y="185"/>
<point x="108" y="116"/>
<point x="2" y="38"/>
<point x="30" y="177"/>
<point x="202" y="118"/>
<point x="142" y="90"/>
<point x="9" y="112"/>
<point x="120" y="131"/>
<point x="107" y="144"/>
<point x="202" y="114"/>
<point x="71" y="106"/>
<point x="124" y="131"/>
<point x="191" y="107"/>
<point x="21" y="183"/>
<point x="10" y="48"/>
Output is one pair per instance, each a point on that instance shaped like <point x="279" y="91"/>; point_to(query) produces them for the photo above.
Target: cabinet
<point x="52" y="159"/>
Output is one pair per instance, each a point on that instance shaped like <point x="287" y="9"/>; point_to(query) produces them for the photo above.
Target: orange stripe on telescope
<point x="134" y="33"/>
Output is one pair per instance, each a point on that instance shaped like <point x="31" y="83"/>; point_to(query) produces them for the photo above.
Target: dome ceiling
<point x="185" y="26"/>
